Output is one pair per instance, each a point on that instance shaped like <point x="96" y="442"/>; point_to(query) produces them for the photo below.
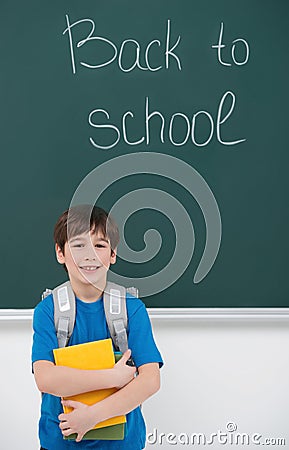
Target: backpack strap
<point x="64" y="311"/>
<point x="133" y="291"/>
<point x="114" y="303"/>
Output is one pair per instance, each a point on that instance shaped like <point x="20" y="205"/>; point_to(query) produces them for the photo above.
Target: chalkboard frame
<point x="254" y="244"/>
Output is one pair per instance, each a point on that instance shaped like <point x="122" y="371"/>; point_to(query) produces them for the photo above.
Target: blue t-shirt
<point x="90" y="325"/>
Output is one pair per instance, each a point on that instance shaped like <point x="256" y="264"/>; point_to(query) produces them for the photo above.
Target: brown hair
<point x="84" y="218"/>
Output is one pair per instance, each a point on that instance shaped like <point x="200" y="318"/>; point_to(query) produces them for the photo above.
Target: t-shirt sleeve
<point x="140" y="336"/>
<point x="44" y="337"/>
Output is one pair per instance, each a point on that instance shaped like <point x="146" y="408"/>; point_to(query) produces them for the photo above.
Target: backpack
<point x="114" y="302"/>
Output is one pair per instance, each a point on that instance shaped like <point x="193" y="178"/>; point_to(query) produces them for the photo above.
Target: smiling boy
<point x="86" y="241"/>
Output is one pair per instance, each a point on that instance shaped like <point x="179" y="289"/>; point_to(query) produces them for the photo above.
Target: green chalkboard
<point x="171" y="114"/>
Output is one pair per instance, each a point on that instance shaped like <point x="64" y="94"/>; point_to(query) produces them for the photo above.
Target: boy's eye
<point x="99" y="246"/>
<point x="78" y="245"/>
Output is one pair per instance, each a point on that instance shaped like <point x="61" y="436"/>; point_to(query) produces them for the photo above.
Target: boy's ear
<point x="113" y="256"/>
<point x="59" y="254"/>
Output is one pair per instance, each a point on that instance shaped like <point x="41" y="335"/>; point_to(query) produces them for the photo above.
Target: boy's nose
<point x="91" y="255"/>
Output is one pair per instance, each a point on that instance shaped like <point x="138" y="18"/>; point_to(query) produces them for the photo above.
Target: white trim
<point x="16" y="314"/>
<point x="218" y="313"/>
<point x="179" y="313"/>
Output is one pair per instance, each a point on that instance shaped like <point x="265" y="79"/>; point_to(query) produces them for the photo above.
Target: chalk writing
<point x="112" y="53"/>
<point x="221" y="46"/>
<point x="166" y="128"/>
<point x="104" y="52"/>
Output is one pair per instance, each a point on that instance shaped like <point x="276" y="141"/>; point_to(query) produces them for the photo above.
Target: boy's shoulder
<point x="44" y="313"/>
<point x="134" y="304"/>
<point x="46" y="304"/>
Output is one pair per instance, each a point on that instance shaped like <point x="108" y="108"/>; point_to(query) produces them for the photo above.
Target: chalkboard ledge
<point x="178" y="313"/>
<point x="218" y="313"/>
<point x="16" y="314"/>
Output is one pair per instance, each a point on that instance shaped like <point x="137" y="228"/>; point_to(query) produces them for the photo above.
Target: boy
<point x="86" y="241"/>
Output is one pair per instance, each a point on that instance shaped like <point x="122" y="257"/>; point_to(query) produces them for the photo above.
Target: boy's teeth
<point x="89" y="267"/>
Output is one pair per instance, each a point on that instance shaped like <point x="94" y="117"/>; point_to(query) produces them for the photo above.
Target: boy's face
<point x="87" y="258"/>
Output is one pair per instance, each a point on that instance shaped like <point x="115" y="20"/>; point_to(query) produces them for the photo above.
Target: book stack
<point x="95" y="355"/>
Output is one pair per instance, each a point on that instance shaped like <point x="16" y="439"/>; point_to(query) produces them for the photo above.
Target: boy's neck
<point x="89" y="293"/>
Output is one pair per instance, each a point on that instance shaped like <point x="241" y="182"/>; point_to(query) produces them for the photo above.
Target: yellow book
<point x="89" y="356"/>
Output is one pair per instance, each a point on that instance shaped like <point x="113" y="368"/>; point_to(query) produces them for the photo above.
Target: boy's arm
<point x="65" y="381"/>
<point x="83" y="417"/>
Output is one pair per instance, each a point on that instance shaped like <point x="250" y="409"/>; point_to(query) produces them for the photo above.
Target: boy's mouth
<point x="89" y="268"/>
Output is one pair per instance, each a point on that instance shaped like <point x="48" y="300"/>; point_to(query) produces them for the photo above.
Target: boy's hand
<point x="79" y="421"/>
<point x="124" y="373"/>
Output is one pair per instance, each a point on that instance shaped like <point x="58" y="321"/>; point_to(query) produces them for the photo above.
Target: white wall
<point x="216" y="371"/>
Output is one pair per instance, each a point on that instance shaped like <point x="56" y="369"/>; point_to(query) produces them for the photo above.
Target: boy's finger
<point x="63" y="425"/>
<point x="128" y="359"/>
<point x="70" y="403"/>
<point x="66" y="403"/>
<point x="79" y="437"/>
<point x="127" y="354"/>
